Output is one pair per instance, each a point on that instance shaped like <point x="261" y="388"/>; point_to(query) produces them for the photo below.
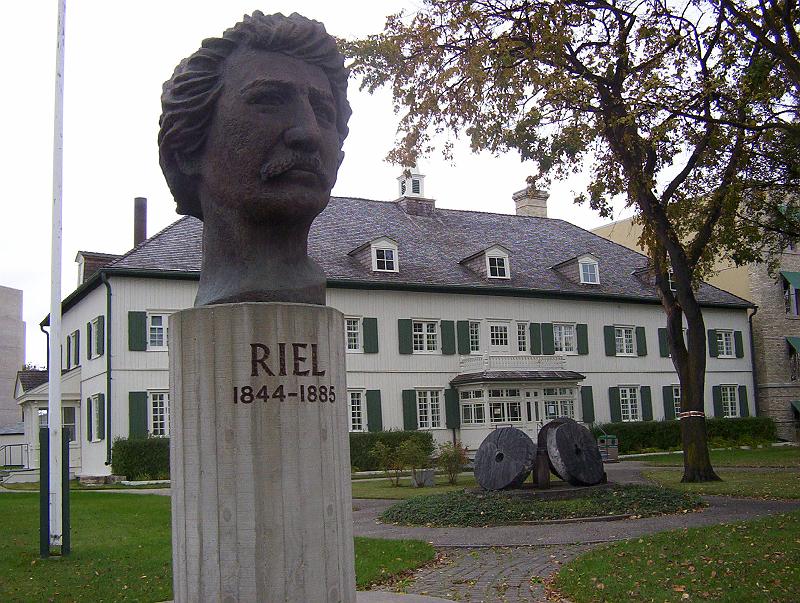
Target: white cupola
<point x="411" y="183"/>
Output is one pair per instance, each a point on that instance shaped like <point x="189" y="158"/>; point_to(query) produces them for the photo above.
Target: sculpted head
<point x="253" y="122"/>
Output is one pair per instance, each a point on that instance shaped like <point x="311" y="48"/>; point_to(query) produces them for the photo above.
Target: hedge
<point x="141" y="458"/>
<point x="361" y="444"/>
<point x="665" y="435"/>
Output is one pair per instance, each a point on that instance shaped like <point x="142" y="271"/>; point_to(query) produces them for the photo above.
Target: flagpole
<point x="54" y="364"/>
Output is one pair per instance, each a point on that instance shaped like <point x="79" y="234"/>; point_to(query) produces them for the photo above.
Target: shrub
<point x="141" y="458"/>
<point x="388" y="462"/>
<point x="451" y="460"/>
<point x="412" y="453"/>
<point x="666" y="435"/>
<point x="362" y="444"/>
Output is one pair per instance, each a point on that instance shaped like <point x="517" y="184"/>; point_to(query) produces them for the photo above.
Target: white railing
<point x="510" y="362"/>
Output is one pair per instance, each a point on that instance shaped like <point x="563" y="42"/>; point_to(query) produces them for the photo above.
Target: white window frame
<point x="676" y="398"/>
<point x="95" y="402"/>
<point x="631" y="409"/>
<point x="501" y="267"/>
<point x="791" y="299"/>
<point x="91" y="350"/>
<point x="384" y="245"/>
<point x="730" y="403"/>
<point x="523" y="343"/>
<point x="152" y="396"/>
<point x="357" y="415"/>
<point x="358" y="332"/>
<point x="471" y="404"/>
<point x="498" y="328"/>
<point x="74" y="353"/>
<point x="726" y="346"/>
<point x="426" y="348"/>
<point x="474" y="337"/>
<point x="560" y="338"/>
<point x="429" y="408"/>
<point x="623" y="329"/>
<point x="507" y="399"/>
<point x="164" y="316"/>
<point x="561" y="399"/>
<point x="587" y="263"/>
<point x="671" y="279"/>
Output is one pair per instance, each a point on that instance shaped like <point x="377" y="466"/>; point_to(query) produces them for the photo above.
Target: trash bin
<point x="609" y="448"/>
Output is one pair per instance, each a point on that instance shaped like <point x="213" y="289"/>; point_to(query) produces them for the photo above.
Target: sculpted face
<point x="273" y="149"/>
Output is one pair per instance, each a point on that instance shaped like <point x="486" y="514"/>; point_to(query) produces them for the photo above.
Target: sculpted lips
<point x="293" y="161"/>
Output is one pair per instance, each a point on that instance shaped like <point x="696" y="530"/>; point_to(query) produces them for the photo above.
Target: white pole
<point x="54" y="370"/>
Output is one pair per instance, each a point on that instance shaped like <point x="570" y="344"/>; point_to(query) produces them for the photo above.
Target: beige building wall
<point x="777" y="384"/>
<point x="12" y="352"/>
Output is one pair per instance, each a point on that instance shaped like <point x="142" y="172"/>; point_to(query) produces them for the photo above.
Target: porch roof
<point x="516" y="376"/>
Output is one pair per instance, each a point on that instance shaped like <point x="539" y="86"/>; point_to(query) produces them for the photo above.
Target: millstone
<point x="504" y="459"/>
<point x="574" y="455"/>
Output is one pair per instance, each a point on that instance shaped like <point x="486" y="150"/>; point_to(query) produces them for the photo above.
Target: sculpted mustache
<point x="290" y="161"/>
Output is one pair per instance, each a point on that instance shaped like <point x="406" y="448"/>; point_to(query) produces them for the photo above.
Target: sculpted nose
<point x="302" y="137"/>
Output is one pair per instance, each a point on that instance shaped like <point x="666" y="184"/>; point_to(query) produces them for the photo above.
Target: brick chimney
<point x="139" y="220"/>
<point x="531" y="202"/>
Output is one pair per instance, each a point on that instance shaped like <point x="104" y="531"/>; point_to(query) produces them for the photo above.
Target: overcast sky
<point x="117" y="57"/>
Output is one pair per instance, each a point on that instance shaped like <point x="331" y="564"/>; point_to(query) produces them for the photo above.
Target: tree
<point x="664" y="101"/>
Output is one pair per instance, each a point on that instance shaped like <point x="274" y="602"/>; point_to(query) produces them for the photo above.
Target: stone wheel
<point x="505" y="459"/>
<point x="574" y="455"/>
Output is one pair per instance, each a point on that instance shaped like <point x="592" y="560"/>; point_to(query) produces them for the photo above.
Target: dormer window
<point x="497" y="263"/>
<point x="385" y="260"/>
<point x="590" y="274"/>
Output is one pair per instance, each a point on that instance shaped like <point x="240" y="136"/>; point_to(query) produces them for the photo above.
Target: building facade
<point x="12" y="353"/>
<point x="455" y="322"/>
<point x="775" y="324"/>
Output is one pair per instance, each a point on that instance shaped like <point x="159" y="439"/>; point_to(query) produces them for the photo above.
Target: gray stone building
<point x="12" y="353"/>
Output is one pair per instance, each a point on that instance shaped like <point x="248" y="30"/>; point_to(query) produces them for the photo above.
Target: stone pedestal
<point x="260" y="462"/>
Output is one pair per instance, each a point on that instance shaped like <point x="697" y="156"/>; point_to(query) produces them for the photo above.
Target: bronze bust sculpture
<point x="250" y="142"/>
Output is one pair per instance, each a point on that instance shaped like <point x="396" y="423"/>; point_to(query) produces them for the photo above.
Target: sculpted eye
<point x="324" y="111"/>
<point x="267" y="98"/>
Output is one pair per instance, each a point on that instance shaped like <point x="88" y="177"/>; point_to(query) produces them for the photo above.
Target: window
<point x="96" y="337"/>
<point x="357" y="415"/>
<point x="505" y="406"/>
<point x="589" y="272"/>
<point x="498" y="266"/>
<point x="624" y="341"/>
<point x="725" y="347"/>
<point x="159" y="413"/>
<point x="473" y="410"/>
<point x="559" y="402"/>
<point x="730" y="401"/>
<point x="564" y="337"/>
<point x="474" y="337"/>
<point x="629" y="403"/>
<point x="425" y="335"/>
<point x="352" y="334"/>
<point x="676" y="398"/>
<point x="73" y="350"/>
<point x="671" y="279"/>
<point x="157" y="327"/>
<point x="68" y="415"/>
<point x="794" y="365"/>
<point x="97" y="417"/>
<point x="790" y="299"/>
<point x="429" y="413"/>
<point x="498" y="337"/>
<point x="522" y="336"/>
<point x="385" y="260"/>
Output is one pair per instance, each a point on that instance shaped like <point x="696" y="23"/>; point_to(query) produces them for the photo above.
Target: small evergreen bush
<point x="141" y="458"/>
<point x="362" y="444"/>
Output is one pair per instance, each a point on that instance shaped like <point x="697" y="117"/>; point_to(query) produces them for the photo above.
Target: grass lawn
<point x="76" y="485"/>
<point x="382" y="488"/>
<point x="122" y="552"/>
<point x="748" y="484"/>
<point x="783" y="456"/>
<point x="751" y="561"/>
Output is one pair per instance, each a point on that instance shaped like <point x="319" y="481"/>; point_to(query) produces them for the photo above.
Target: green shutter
<point x="462" y="329"/>
<point x="713" y="346"/>
<point x="452" y="409"/>
<point x="641" y="342"/>
<point x="77" y="347"/>
<point x="101" y="335"/>
<point x="587" y="404"/>
<point x="69" y="354"/>
<point x="536" y="338"/>
<point x="663" y="343"/>
<point x="744" y="407"/>
<point x="610" y="340"/>
<point x="404" y="335"/>
<point x="137" y="331"/>
<point x="101" y="419"/>
<point x="374" y="411"/>
<point x="716" y="394"/>
<point x="739" y="343"/>
<point x="582" y="333"/>
<point x="137" y="414"/>
<point x="89" y="419"/>
<point x="448" y="329"/>
<point x="548" y="342"/>
<point x="370" y="327"/>
<point x="89" y="341"/>
<point x="647" y="403"/>
<point x="669" y="402"/>
<point x="409" y="409"/>
<point x="613" y="403"/>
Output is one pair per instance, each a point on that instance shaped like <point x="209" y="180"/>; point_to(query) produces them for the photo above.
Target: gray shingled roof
<point x="431" y="247"/>
<point x="516" y="376"/>
<point x="30" y="379"/>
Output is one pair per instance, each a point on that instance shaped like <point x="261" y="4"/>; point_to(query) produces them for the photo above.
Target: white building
<point x="456" y="322"/>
